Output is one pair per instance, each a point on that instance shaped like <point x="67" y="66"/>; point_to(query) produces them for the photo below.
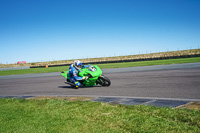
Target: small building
<point x="21" y="62"/>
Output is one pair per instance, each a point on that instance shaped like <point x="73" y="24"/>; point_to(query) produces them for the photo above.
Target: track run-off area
<point x="148" y="84"/>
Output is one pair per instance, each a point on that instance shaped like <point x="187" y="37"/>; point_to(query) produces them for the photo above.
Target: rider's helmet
<point x="77" y="64"/>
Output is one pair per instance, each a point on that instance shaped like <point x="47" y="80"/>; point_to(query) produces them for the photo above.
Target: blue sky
<point x="48" y="30"/>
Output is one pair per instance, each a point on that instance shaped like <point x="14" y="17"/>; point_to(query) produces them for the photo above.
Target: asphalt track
<point x="180" y="82"/>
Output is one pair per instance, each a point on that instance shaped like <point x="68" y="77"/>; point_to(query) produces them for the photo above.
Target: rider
<point x="73" y="73"/>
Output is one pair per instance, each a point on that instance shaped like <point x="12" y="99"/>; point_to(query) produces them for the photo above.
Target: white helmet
<point x="77" y="64"/>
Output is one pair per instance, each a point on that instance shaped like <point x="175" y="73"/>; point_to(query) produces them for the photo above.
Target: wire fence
<point x="131" y="57"/>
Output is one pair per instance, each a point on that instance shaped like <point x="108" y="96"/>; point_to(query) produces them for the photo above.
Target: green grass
<point x="150" y="63"/>
<point x="34" y="70"/>
<point x="102" y="66"/>
<point x="31" y="116"/>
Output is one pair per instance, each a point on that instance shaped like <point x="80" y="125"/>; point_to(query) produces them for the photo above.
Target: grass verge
<point x="102" y="66"/>
<point x="150" y="63"/>
<point x="52" y="115"/>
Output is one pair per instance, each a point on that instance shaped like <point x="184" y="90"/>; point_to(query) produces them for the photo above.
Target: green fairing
<point x="85" y="72"/>
<point x="65" y="74"/>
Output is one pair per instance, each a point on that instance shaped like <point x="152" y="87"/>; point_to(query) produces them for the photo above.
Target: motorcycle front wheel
<point x="104" y="81"/>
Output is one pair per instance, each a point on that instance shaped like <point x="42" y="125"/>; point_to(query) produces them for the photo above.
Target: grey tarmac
<point x="151" y="85"/>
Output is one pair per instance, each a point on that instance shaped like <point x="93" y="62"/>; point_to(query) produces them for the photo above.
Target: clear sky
<point x="48" y="30"/>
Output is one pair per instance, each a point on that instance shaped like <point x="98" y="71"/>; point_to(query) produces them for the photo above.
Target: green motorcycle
<point x="94" y="74"/>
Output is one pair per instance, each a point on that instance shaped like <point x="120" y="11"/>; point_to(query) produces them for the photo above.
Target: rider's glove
<point x="85" y="78"/>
